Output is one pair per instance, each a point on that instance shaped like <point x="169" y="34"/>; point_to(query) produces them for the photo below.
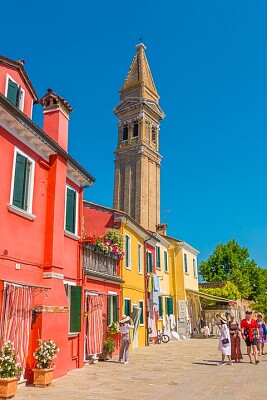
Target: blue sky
<point x="209" y="63"/>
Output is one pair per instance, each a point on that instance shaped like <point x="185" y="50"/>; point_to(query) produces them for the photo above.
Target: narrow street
<point x="177" y="370"/>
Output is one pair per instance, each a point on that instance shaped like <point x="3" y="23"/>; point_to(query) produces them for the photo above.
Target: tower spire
<point x="139" y="75"/>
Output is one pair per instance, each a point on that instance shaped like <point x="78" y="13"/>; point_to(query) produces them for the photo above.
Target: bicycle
<point x="162" y="337"/>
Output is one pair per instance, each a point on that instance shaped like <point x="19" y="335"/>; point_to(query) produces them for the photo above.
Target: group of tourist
<point x="253" y="332"/>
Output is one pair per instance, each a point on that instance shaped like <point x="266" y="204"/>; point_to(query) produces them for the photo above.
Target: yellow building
<point x="133" y="273"/>
<point x="184" y="286"/>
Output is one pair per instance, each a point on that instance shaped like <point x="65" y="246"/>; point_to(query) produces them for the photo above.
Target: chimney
<point x="161" y="229"/>
<point x="56" y="117"/>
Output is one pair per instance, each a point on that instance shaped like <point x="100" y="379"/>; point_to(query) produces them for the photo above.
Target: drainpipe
<point x="146" y="294"/>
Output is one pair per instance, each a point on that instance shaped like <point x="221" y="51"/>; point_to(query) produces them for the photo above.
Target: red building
<point x="102" y="281"/>
<point x="41" y="204"/>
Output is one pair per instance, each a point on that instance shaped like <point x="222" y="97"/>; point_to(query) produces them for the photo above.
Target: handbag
<point x="264" y="329"/>
<point x="225" y="341"/>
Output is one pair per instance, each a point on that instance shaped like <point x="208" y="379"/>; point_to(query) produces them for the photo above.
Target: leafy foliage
<point x="9" y="366"/>
<point x="228" y="291"/>
<point x="109" y="345"/>
<point x="260" y="304"/>
<point x="231" y="262"/>
<point x="45" y="353"/>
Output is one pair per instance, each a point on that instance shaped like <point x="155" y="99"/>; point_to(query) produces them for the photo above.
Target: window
<point x="125" y="133"/>
<point x="127" y="306"/>
<point x="113" y="308"/>
<point x="140" y="259"/>
<point x="169" y="306"/>
<point x="135" y="130"/>
<point x="154" y="135"/>
<point x="158" y="257"/>
<point x="74" y="295"/>
<point x="128" y="251"/>
<point x="185" y="264"/>
<point x="22" y="184"/>
<point x="194" y="268"/>
<point x="166" y="261"/>
<point x="141" y="305"/>
<point x="160" y="307"/>
<point x="15" y="93"/>
<point x="71" y="211"/>
<point x="149" y="262"/>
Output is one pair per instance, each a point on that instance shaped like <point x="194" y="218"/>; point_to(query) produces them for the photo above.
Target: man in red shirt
<point x="250" y="333"/>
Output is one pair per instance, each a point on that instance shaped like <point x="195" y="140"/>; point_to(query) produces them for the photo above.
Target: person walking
<point x="262" y="334"/>
<point x="234" y="329"/>
<point x="250" y="334"/>
<point x="224" y="341"/>
<point x="126" y="323"/>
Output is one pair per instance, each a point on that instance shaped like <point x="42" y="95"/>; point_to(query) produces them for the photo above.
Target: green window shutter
<point x="115" y="308"/>
<point x="166" y="261"/>
<point x="160" y="307"/>
<point x="169" y="305"/>
<point x="141" y="305"/>
<point x="75" y="308"/>
<point x="127" y="251"/>
<point x="13" y="92"/>
<point x="70" y="210"/>
<point x="109" y="310"/>
<point x="158" y="256"/>
<point x="150" y="262"/>
<point x="185" y="263"/>
<point x="127" y="307"/>
<point x="19" y="181"/>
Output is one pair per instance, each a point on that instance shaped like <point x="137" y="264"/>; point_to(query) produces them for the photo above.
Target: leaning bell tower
<point x="137" y="158"/>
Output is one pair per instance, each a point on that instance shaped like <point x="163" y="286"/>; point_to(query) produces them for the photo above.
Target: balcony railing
<point x="98" y="263"/>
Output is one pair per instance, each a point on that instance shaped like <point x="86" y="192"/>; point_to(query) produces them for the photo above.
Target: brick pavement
<point x="184" y="370"/>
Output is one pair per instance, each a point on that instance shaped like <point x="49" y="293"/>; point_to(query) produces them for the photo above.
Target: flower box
<point x="8" y="387"/>
<point x="42" y="377"/>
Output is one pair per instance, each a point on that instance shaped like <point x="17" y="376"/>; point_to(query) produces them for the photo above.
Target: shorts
<point x="250" y="343"/>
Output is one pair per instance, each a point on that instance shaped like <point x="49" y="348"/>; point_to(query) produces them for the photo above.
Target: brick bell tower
<point x="137" y="158"/>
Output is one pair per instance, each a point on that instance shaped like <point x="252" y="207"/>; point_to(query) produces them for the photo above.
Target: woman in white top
<point x="224" y="341"/>
<point x="126" y="324"/>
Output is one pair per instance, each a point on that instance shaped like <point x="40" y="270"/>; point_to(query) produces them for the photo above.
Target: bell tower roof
<point x="140" y="75"/>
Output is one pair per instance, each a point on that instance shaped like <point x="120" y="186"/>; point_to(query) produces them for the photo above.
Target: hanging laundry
<point x="150" y="284"/>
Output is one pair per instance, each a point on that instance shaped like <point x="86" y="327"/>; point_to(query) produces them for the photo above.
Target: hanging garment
<point x="16" y="319"/>
<point x="156" y="291"/>
<point x="94" y="325"/>
<point x="150" y="284"/>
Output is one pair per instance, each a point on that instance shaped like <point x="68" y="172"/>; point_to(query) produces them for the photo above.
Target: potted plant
<point x="113" y="328"/>
<point x="10" y="370"/>
<point x="44" y="355"/>
<point x="108" y="348"/>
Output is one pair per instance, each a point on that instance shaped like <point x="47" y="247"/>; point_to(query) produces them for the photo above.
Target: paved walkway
<point x="184" y="370"/>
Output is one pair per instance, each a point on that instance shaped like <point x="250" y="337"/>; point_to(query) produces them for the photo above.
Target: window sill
<point x="186" y="273"/>
<point x="129" y="268"/>
<point x="166" y="272"/>
<point x="73" y="335"/>
<point x="20" y="212"/>
<point x="158" y="268"/>
<point x="71" y="235"/>
<point x="140" y="273"/>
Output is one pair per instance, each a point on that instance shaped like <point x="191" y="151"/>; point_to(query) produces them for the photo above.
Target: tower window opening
<point x="154" y="135"/>
<point x="125" y="133"/>
<point x="135" y="130"/>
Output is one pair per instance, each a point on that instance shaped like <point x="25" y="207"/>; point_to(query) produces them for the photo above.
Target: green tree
<point x="228" y="291"/>
<point x="231" y="262"/>
<point x="260" y="304"/>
